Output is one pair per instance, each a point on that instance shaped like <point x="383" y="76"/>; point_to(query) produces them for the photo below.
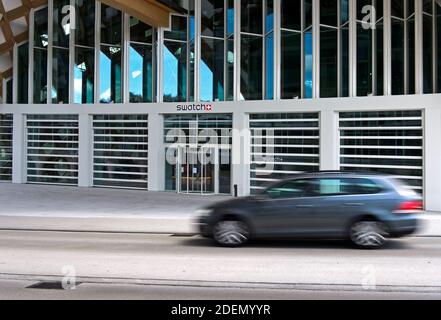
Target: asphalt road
<point x="146" y="266"/>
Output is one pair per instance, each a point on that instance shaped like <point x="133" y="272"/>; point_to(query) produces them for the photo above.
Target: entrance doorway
<point x="199" y="170"/>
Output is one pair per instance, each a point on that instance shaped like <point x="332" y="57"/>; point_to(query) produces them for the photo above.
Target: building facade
<point x="229" y="97"/>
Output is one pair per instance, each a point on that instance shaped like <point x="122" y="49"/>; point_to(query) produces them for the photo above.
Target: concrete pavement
<point x="45" y="207"/>
<point x="165" y="266"/>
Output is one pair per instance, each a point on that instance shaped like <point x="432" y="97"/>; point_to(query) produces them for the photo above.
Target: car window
<point x="291" y="189"/>
<point x="343" y="186"/>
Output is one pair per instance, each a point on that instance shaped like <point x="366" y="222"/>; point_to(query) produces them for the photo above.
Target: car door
<point x="284" y="209"/>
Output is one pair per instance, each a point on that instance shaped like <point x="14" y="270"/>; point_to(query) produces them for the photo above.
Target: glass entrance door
<point x="197" y="169"/>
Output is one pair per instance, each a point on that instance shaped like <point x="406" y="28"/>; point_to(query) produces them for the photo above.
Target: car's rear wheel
<point x="368" y="234"/>
<point x="231" y="233"/>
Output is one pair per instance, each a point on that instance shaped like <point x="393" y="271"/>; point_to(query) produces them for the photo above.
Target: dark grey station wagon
<point x="365" y="208"/>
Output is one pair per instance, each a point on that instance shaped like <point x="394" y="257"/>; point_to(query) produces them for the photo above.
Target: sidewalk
<point x="41" y="207"/>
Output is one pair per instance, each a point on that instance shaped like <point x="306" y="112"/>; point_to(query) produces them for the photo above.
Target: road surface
<point x="165" y="266"/>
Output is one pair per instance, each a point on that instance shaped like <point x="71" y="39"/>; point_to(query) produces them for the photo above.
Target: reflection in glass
<point x="178" y="29"/>
<point x="60" y="32"/>
<point x="251" y="75"/>
<point x="141" y="73"/>
<point x="379" y="73"/>
<point x="364" y="61"/>
<point x="345" y="61"/>
<point x="60" y="76"/>
<point x="85" y="22"/>
<point x="110" y="75"/>
<point x="291" y="61"/>
<point x="23" y="73"/>
<point x="428" y="66"/>
<point x="229" y="85"/>
<point x="111" y="27"/>
<point x="84" y="68"/>
<point x="269" y="66"/>
<point x="307" y="38"/>
<point x="212" y="18"/>
<point x="212" y="70"/>
<point x="175" y="71"/>
<point x="140" y="32"/>
<point x="328" y="62"/>
<point x="252" y="16"/>
<point x="291" y="12"/>
<point x="329" y="12"/>
<point x="40" y="75"/>
<point x="398" y="57"/>
<point x="40" y="28"/>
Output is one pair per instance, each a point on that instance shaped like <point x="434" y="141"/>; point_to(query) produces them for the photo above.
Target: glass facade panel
<point x="428" y="66"/>
<point x="212" y="18"/>
<point x="175" y="71"/>
<point x="85" y="22"/>
<point x="141" y="32"/>
<point x="40" y="76"/>
<point x="111" y="25"/>
<point x="212" y="70"/>
<point x="141" y="73"/>
<point x="329" y="12"/>
<point x="23" y="73"/>
<point x="398" y="57"/>
<point x="328" y="62"/>
<point x="252" y="16"/>
<point x="251" y="72"/>
<point x="291" y="61"/>
<point x="364" y="61"/>
<point x="60" y="76"/>
<point x="60" y="32"/>
<point x="84" y="71"/>
<point x="291" y="14"/>
<point x="110" y="75"/>
<point x="41" y="39"/>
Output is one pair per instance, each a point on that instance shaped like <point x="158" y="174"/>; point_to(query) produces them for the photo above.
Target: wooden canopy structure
<point x="14" y="22"/>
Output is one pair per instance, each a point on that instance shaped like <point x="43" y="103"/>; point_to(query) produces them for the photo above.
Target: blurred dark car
<point x="365" y="208"/>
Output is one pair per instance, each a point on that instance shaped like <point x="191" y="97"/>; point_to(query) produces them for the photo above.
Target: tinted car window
<point x="291" y="189"/>
<point x="343" y="186"/>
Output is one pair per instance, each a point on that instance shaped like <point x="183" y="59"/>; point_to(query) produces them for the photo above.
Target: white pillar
<point x="432" y="159"/>
<point x="18" y="149"/>
<point x="156" y="158"/>
<point x="329" y="140"/>
<point x="240" y="166"/>
<point x="85" y="151"/>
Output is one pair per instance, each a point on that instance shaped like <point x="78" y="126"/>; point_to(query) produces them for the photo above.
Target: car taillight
<point x="410" y="206"/>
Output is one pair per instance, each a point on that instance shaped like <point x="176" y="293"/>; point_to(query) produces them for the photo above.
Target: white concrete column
<point x="18" y="149"/>
<point x="85" y="151"/>
<point x="156" y="164"/>
<point x="240" y="166"/>
<point x="329" y="140"/>
<point x="432" y="159"/>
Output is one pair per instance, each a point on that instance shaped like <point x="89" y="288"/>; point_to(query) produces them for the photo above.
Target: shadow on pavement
<point x="198" y="241"/>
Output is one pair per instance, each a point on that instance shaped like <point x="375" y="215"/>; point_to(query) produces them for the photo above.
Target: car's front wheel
<point x="368" y="234"/>
<point x="231" y="233"/>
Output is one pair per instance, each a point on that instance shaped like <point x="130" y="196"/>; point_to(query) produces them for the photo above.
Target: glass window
<point x="85" y="22"/>
<point x="379" y="76"/>
<point x="344" y="15"/>
<point x="328" y="62"/>
<point x="269" y="66"/>
<point x="111" y="26"/>
<point x="291" y="12"/>
<point x="40" y="76"/>
<point x="178" y="29"/>
<point x="428" y="66"/>
<point x="140" y="32"/>
<point x="212" y="18"/>
<point x="348" y="186"/>
<point x="329" y="12"/>
<point x="398" y="57"/>
<point x="9" y="85"/>
<point x="291" y="61"/>
<point x="291" y="189"/>
<point x="212" y="70"/>
<point x="40" y="28"/>
<point x="23" y="73"/>
<point x="251" y="75"/>
<point x="344" y="61"/>
<point x="175" y="71"/>
<point x="364" y="61"/>
<point x="252" y="16"/>
<point x="84" y="69"/>
<point x="141" y="73"/>
<point x="229" y="85"/>
<point x="60" y="32"/>
<point x="397" y="8"/>
<point x="110" y="75"/>
<point x="60" y="76"/>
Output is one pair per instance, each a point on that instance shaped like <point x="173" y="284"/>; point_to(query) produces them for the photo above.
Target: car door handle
<point x="304" y="206"/>
<point x="354" y="204"/>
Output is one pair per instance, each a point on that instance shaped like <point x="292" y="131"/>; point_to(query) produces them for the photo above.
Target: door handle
<point x="304" y="206"/>
<point x="354" y="204"/>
